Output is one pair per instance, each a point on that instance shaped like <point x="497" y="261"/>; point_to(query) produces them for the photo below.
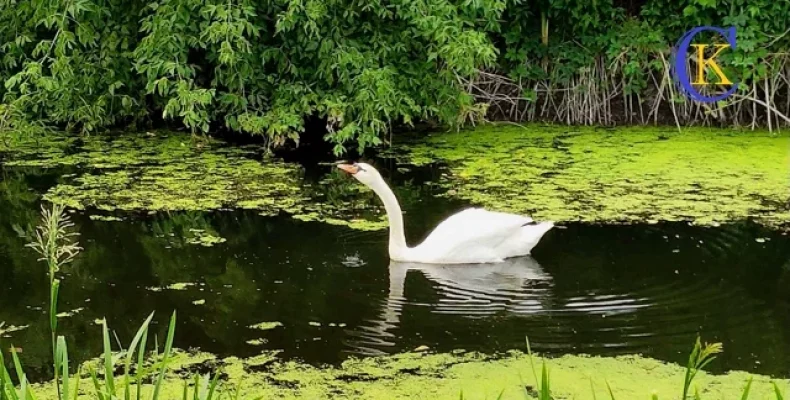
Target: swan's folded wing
<point x="473" y="230"/>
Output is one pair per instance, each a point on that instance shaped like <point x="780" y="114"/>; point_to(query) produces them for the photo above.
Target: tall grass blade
<point x="778" y="392"/>
<point x="609" y="388"/>
<point x="63" y="354"/>
<point x="20" y="374"/>
<point x="130" y="352"/>
<point x="53" y="306"/>
<point x="9" y="391"/>
<point x="501" y="394"/>
<point x="746" y="389"/>
<point x="24" y="390"/>
<point x="3" y="374"/>
<point x="545" y="387"/>
<point x="97" y="385"/>
<point x="238" y="392"/>
<point x="76" y="385"/>
<point x="215" y="381"/>
<point x="531" y="361"/>
<point x="198" y="392"/>
<point x="165" y="356"/>
<point x="54" y="288"/>
<point x="141" y="364"/>
<point x="109" y="367"/>
<point x="592" y="389"/>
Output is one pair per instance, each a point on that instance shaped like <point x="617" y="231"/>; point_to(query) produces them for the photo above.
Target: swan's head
<point x="363" y="172"/>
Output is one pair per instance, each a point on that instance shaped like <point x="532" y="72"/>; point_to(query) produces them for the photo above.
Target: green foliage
<point x="264" y="67"/>
<point x="581" y="31"/>
<point x="256" y="67"/>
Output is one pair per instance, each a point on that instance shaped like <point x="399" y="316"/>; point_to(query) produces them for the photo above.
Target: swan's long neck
<point x="397" y="245"/>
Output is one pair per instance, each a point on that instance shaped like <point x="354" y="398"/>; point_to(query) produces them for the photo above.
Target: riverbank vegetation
<point x="361" y="69"/>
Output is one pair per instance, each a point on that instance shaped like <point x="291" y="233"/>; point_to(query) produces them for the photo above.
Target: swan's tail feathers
<point x="527" y="237"/>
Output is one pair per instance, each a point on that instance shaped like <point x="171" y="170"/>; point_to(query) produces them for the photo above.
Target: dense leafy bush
<point x="257" y="67"/>
<point x="361" y="66"/>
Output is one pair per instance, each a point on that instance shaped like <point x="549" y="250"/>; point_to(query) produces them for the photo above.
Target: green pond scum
<point x="169" y="171"/>
<point x="705" y="176"/>
<point x="445" y="376"/>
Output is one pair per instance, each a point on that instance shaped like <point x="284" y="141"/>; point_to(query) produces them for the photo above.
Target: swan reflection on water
<point x="517" y="285"/>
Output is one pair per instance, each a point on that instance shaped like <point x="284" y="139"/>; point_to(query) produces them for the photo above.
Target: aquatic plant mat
<point x="444" y="376"/>
<point x="170" y="171"/>
<point x="702" y="175"/>
<point x="558" y="173"/>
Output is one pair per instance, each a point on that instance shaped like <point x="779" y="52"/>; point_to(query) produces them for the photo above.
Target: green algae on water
<point x="706" y="176"/>
<point x="202" y="238"/>
<point x="168" y="171"/>
<point x="5" y="329"/>
<point x="589" y="174"/>
<point x="265" y="326"/>
<point x="175" y="286"/>
<point x="443" y="376"/>
<point x="106" y="218"/>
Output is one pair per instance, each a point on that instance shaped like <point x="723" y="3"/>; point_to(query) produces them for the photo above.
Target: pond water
<point x="596" y="289"/>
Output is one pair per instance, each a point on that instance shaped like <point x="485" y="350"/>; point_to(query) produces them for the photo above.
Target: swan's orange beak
<point x="351" y="169"/>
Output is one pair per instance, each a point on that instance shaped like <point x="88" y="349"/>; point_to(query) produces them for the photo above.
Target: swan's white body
<point x="471" y="236"/>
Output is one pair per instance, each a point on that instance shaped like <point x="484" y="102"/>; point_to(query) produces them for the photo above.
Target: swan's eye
<point x="360" y="167"/>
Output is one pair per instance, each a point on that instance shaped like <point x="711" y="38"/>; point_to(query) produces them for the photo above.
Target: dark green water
<point x="589" y="289"/>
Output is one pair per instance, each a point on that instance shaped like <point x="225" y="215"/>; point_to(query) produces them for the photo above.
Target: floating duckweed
<point x="199" y="302"/>
<point x="265" y="326"/>
<point x="443" y="376"/>
<point x="7" y="329"/>
<point x="179" y="286"/>
<point x="71" y="313"/>
<point x="202" y="238"/>
<point x="107" y="218"/>
<point x="174" y="286"/>
<point x="168" y="171"/>
<point x="615" y="175"/>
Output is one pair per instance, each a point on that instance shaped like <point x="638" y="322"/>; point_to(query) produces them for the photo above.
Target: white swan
<point x="471" y="236"/>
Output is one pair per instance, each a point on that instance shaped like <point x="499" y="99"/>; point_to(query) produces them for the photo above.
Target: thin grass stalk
<point x="109" y="367"/>
<point x="746" y="389"/>
<point x="140" y="370"/>
<point x="63" y="360"/>
<point x="97" y="385"/>
<point x="778" y="392"/>
<point x="545" y="386"/>
<point x="130" y="352"/>
<point x="215" y="382"/>
<point x="54" y="243"/>
<point x="165" y="357"/>
<point x="609" y="389"/>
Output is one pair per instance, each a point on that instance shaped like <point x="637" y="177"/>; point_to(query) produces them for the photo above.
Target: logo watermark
<point x="680" y="73"/>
